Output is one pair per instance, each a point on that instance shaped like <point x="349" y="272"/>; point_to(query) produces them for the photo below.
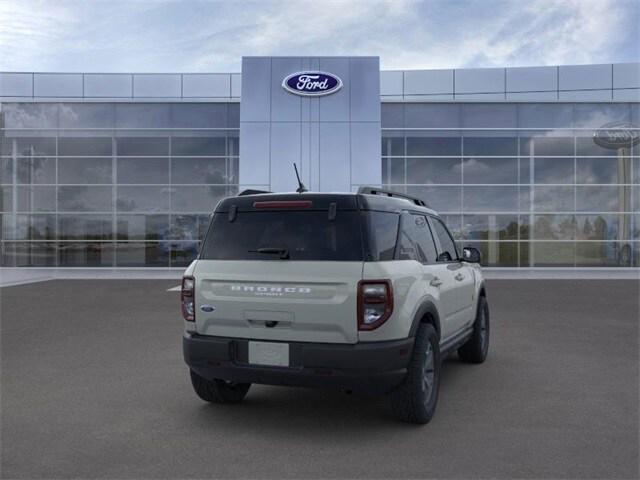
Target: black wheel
<point x="218" y="391"/>
<point x="476" y="348"/>
<point x="415" y="400"/>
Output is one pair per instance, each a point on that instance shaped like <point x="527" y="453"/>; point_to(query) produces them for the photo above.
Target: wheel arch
<point x="426" y="313"/>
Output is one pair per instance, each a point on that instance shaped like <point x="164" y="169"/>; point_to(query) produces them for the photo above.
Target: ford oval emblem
<point x="207" y="308"/>
<point x="617" y="135"/>
<point x="312" y="84"/>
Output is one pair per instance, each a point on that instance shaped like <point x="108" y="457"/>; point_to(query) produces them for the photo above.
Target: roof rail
<point x="250" y="191"/>
<point x="390" y="193"/>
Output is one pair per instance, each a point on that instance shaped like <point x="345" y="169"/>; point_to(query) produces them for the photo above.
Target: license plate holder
<point x="270" y="354"/>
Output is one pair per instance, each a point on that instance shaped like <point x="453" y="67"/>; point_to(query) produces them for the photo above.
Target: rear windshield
<point x="289" y="235"/>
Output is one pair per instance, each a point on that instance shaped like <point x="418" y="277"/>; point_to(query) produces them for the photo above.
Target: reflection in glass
<point x="553" y="170"/>
<point x="36" y="170"/>
<point x="84" y="170"/>
<point x="142" y="254"/>
<point x="603" y="227"/>
<point x="27" y="254"/>
<point x="392" y="146"/>
<point x="84" y="199"/>
<point x="434" y="146"/>
<point x="143" y="170"/>
<point x="84" y="146"/>
<point x="85" y="254"/>
<point x="490" y="227"/>
<point x="393" y="170"/>
<point x="554" y="227"/>
<point x="553" y="199"/>
<point x="603" y="254"/>
<point x="143" y="227"/>
<point x="36" y="199"/>
<point x="497" y="254"/>
<point x="142" y="146"/>
<point x="33" y="227"/>
<point x="143" y="199"/>
<point x="547" y="146"/>
<point x="199" y="170"/>
<point x="198" y="146"/>
<point x="490" y="170"/>
<point x="603" y="170"/>
<point x="189" y="227"/>
<point x="487" y="199"/>
<point x="490" y="146"/>
<point x="441" y="199"/>
<point x="183" y="253"/>
<point x="85" y="227"/>
<point x="434" y="170"/>
<point x="35" y="146"/>
<point x="603" y="198"/>
<point x="552" y="254"/>
<point x="196" y="199"/>
<point x="6" y="170"/>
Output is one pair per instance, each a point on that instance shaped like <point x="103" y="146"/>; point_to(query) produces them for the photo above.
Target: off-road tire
<point x="413" y="401"/>
<point x="476" y="348"/>
<point x="218" y="391"/>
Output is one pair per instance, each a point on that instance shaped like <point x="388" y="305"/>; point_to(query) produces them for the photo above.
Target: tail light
<point x="375" y="303"/>
<point x="187" y="298"/>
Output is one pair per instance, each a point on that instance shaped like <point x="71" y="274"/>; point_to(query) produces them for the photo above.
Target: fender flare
<point x="427" y="307"/>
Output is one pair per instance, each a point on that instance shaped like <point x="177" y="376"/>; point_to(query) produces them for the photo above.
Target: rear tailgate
<point x="307" y="301"/>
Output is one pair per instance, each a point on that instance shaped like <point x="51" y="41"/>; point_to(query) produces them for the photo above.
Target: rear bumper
<point x="364" y="367"/>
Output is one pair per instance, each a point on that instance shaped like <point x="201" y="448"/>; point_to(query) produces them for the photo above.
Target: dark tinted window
<point x="447" y="245"/>
<point x="383" y="232"/>
<point x="416" y="242"/>
<point x="306" y="235"/>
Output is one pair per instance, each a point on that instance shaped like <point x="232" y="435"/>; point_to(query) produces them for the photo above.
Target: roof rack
<point x="250" y="191"/>
<point x="390" y="193"/>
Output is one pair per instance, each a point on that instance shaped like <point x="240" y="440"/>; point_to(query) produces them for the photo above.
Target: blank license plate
<point x="269" y="353"/>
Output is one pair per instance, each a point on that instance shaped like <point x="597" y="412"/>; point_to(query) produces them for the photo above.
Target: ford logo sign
<point x="312" y="84"/>
<point x="617" y="135"/>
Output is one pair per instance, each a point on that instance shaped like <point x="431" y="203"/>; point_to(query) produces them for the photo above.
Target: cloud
<point x="213" y="35"/>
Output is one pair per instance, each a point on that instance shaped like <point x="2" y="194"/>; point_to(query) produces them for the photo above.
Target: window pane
<point x="147" y="254"/>
<point x="84" y="170"/>
<point x="30" y="115"/>
<point x="198" y="146"/>
<point x="552" y="254"/>
<point x="587" y="147"/>
<point x="36" y="199"/>
<point x="603" y="254"/>
<point x="490" y="146"/>
<point x="553" y="199"/>
<point x="36" y="170"/>
<point x="189" y="227"/>
<point x="392" y="115"/>
<point x="554" y="227"/>
<point x="199" y="115"/>
<point x="142" y="146"/>
<point x="90" y="146"/>
<point x="6" y="199"/>
<point x="434" y="170"/>
<point x="601" y="198"/>
<point x="490" y="170"/>
<point x="553" y="170"/>
<point x="199" y="170"/>
<point x="37" y="254"/>
<point x="143" y="170"/>
<point x="196" y="199"/>
<point x="6" y="170"/>
<point x="33" y="227"/>
<point x="604" y="227"/>
<point x="485" y="115"/>
<point x="392" y="146"/>
<point x="143" y="199"/>
<point x="84" y="199"/>
<point x="383" y="231"/>
<point x="547" y="146"/>
<point x="441" y="199"/>
<point x="36" y="146"/>
<point x="428" y="115"/>
<point x="84" y="115"/>
<point x="183" y="253"/>
<point x="143" y="227"/>
<point x="487" y="199"/>
<point x="545" y="115"/>
<point x="85" y="227"/>
<point x="87" y="254"/>
<point x="454" y="224"/>
<point x="490" y="227"/>
<point x="433" y="146"/>
<point x="145" y="115"/>
<point x="603" y="170"/>
<point x="393" y="170"/>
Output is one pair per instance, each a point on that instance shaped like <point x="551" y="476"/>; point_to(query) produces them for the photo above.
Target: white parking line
<point x="174" y="289"/>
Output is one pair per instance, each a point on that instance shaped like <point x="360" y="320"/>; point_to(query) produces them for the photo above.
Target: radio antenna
<point x="301" y="188"/>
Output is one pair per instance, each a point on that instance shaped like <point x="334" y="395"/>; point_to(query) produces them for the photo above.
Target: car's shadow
<point x="273" y="409"/>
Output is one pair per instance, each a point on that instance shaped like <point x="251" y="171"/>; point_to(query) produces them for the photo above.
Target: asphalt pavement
<point x="93" y="386"/>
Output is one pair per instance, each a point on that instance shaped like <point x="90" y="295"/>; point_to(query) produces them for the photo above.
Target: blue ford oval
<point x="312" y="84"/>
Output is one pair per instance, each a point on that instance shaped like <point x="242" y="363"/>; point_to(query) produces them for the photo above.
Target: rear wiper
<point x="283" y="252"/>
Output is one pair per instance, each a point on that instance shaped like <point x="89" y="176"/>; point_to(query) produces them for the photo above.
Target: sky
<point x="212" y="36"/>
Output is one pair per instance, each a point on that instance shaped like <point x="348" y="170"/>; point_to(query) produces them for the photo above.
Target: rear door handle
<point x="459" y="277"/>
<point x="436" y="282"/>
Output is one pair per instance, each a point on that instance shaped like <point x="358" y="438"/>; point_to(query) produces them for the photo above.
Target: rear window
<point x="304" y="235"/>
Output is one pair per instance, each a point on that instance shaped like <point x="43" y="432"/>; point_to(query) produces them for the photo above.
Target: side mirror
<point x="471" y="255"/>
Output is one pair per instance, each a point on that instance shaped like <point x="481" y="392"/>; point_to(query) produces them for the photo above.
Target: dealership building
<point x="535" y="166"/>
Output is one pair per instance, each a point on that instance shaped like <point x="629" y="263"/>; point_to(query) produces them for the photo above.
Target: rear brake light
<point x="375" y="303"/>
<point x="187" y="298"/>
<point x="284" y="204"/>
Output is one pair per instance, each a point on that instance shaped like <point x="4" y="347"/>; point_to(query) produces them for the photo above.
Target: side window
<point x="416" y="242"/>
<point x="447" y="244"/>
<point x="383" y="232"/>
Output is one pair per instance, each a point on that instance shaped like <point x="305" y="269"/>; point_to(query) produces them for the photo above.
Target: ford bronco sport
<point x="358" y="291"/>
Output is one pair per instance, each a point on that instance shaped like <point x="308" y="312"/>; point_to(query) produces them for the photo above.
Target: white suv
<point x="363" y="292"/>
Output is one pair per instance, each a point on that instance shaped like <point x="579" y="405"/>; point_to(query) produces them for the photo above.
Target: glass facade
<point x="112" y="184"/>
<point x="132" y="184"/>
<point x="524" y="183"/>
